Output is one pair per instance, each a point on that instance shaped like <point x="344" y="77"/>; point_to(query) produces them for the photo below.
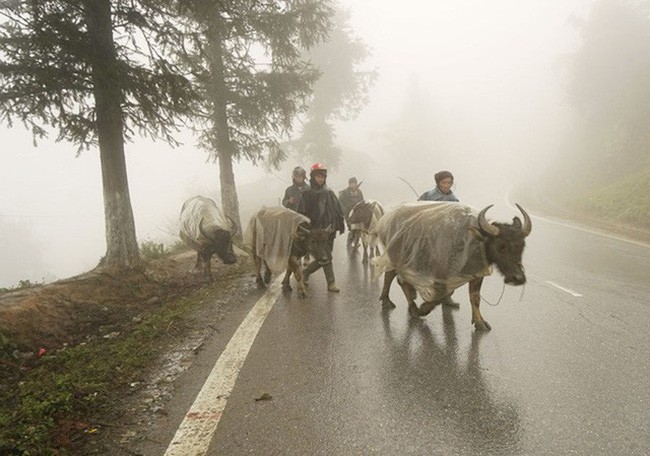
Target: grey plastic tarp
<point x="270" y="233"/>
<point x="432" y="246"/>
<point x="201" y="210"/>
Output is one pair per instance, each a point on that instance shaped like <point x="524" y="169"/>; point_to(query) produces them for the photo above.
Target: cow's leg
<point x="294" y="266"/>
<point x="206" y="267"/>
<point x="389" y="276"/>
<point x="267" y="273"/>
<point x="410" y="293"/>
<point x="475" y="298"/>
<point x="353" y="240"/>
<point x="427" y="306"/>
<point x="364" y="243"/>
<point x="439" y="297"/>
<point x="286" y="285"/>
<point x="258" y="272"/>
<point x="198" y="266"/>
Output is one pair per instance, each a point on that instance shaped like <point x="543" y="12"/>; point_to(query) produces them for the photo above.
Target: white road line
<point x="566" y="290"/>
<point x="195" y="432"/>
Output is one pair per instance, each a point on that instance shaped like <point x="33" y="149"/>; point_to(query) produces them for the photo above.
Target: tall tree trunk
<point x="225" y="148"/>
<point x="121" y="241"/>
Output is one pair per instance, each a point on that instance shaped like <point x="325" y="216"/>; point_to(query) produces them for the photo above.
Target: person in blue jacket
<point x="442" y="191"/>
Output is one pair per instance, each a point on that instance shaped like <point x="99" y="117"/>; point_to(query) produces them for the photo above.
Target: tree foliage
<point x="339" y="94"/>
<point x="610" y="87"/>
<point x="46" y="74"/>
<point x="265" y="81"/>
<point x="96" y="72"/>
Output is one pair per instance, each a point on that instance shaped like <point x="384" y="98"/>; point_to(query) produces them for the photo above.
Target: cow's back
<point x="270" y="233"/>
<point x="196" y="211"/>
<point x="431" y="242"/>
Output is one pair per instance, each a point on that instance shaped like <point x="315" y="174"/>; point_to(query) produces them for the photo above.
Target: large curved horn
<point x="485" y="225"/>
<point x="528" y="225"/>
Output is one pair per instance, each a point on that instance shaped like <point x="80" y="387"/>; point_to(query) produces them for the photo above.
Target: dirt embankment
<point x="70" y="310"/>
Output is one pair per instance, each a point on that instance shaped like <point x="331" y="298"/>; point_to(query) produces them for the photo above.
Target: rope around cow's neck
<point x="502" y="291"/>
<point x="499" y="300"/>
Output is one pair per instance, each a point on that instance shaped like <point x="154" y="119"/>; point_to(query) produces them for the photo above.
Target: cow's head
<point x="361" y="213"/>
<point x="505" y="245"/>
<point x="220" y="242"/>
<point x="301" y="239"/>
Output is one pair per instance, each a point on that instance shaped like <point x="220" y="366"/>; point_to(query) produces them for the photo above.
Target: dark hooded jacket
<point x="322" y="207"/>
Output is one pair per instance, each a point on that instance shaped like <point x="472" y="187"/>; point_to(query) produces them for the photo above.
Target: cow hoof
<point x="260" y="282"/>
<point x="386" y="303"/>
<point x="482" y="325"/>
<point x="286" y="287"/>
<point x="414" y="312"/>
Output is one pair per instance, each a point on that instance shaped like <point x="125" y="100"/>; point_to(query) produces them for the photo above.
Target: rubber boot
<point x="329" y="276"/>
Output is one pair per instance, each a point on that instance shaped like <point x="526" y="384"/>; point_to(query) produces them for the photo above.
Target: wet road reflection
<point x="448" y="389"/>
<point x="556" y="375"/>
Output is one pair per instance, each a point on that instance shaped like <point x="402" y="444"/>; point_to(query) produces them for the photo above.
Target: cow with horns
<point x="435" y="247"/>
<point x="278" y="238"/>
<point x="205" y="229"/>
<point x="363" y="219"/>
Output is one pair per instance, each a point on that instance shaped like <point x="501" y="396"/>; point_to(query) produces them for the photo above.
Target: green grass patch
<point x="46" y="402"/>
<point x="627" y="200"/>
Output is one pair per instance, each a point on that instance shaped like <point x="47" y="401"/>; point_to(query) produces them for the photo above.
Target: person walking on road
<point x="294" y="191"/>
<point x="442" y="191"/>
<point x="320" y="204"/>
<point x="348" y="198"/>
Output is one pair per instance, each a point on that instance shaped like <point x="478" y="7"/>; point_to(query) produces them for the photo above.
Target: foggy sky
<point x="492" y="77"/>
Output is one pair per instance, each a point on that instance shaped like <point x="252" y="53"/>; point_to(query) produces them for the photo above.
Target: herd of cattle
<point x="432" y="248"/>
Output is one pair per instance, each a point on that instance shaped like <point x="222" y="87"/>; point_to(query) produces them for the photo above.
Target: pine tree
<point x="94" y="72"/>
<point x="246" y="59"/>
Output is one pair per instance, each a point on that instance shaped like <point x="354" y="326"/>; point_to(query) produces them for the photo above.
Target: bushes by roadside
<point x="627" y="200"/>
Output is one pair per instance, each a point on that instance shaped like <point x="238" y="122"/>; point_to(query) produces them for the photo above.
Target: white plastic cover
<point x="270" y="233"/>
<point x="195" y="211"/>
<point x="432" y="246"/>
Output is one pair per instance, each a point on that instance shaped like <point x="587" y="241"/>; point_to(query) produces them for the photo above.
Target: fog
<point x="473" y="87"/>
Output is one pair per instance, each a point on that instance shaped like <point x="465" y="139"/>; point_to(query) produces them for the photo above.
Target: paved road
<point x="565" y="369"/>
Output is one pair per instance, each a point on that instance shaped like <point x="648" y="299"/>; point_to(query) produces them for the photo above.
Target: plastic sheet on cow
<point x="270" y="233"/>
<point x="434" y="246"/>
<point x="201" y="213"/>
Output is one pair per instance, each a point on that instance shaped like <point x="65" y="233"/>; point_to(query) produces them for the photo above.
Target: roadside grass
<point x="626" y="201"/>
<point x="47" y="403"/>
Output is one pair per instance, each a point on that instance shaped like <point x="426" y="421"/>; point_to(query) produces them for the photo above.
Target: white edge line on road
<point x="200" y="423"/>
<point x="566" y="290"/>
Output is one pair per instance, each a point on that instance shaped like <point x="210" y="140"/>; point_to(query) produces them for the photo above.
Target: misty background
<point x="504" y="94"/>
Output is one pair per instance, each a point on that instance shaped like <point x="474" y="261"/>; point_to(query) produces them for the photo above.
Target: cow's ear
<point x="476" y="232"/>
<point x="516" y="223"/>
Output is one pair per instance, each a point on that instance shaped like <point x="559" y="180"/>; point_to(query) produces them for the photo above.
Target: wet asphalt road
<point x="558" y="374"/>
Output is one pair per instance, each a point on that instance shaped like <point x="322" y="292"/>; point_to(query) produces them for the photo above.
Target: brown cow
<point x="363" y="219"/>
<point x="435" y="247"/>
<point x="278" y="238"/>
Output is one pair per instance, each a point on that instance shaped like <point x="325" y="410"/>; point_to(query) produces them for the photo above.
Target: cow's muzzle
<point x="516" y="279"/>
